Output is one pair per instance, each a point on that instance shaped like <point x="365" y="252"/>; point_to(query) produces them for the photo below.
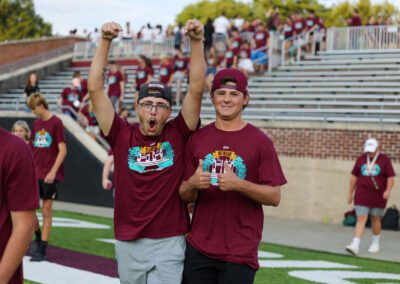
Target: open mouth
<point x="152" y="125"/>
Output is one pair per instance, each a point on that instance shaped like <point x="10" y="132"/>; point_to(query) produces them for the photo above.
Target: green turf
<point x="84" y="240"/>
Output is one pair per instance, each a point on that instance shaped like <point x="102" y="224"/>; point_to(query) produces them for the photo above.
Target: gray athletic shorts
<point x="151" y="261"/>
<point x="364" y="210"/>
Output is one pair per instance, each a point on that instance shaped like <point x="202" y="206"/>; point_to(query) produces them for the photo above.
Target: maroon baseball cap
<point x="230" y="75"/>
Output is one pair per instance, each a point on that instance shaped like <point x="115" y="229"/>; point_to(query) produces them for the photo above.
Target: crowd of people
<point x="161" y="165"/>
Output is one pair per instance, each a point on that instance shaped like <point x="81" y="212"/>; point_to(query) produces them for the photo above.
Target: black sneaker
<point x="38" y="257"/>
<point x="34" y="248"/>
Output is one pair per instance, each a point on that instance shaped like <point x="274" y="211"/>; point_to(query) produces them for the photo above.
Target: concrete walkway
<point x="299" y="234"/>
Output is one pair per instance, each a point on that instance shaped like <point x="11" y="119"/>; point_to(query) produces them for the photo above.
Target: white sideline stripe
<point x="261" y="254"/>
<point x="302" y="264"/>
<point x="72" y="223"/>
<point x="338" y="276"/>
<point x="47" y="272"/>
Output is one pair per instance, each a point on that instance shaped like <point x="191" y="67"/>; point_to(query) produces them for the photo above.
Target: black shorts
<point x="200" y="269"/>
<point x="48" y="190"/>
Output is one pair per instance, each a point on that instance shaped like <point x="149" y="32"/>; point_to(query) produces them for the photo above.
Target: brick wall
<point x="341" y="144"/>
<point x="15" y="50"/>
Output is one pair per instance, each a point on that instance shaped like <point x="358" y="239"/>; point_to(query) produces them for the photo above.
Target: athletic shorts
<point x="151" y="261"/>
<point x="364" y="210"/>
<point x="200" y="269"/>
<point x="48" y="190"/>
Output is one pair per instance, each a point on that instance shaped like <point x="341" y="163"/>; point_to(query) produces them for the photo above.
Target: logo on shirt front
<point x="151" y="158"/>
<point x="214" y="164"/>
<point x="42" y="139"/>
<point x="366" y="171"/>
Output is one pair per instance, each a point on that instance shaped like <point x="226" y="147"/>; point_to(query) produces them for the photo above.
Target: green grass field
<point x="85" y="240"/>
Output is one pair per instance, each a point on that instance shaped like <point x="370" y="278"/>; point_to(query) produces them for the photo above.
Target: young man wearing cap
<point x="150" y="220"/>
<point x="49" y="151"/>
<point x="370" y="185"/>
<point x="231" y="170"/>
<point x="19" y="198"/>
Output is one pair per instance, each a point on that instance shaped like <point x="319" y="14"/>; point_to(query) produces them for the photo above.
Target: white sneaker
<point x="352" y="248"/>
<point x="374" y="248"/>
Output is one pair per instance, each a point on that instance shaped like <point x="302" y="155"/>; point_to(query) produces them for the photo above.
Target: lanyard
<point x="370" y="166"/>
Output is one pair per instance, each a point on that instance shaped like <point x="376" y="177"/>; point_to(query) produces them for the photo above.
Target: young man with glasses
<point x="149" y="219"/>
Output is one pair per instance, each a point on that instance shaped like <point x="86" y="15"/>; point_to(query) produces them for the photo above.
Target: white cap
<point x="371" y="145"/>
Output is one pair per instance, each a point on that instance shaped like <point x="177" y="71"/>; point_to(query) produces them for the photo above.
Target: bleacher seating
<point x="361" y="87"/>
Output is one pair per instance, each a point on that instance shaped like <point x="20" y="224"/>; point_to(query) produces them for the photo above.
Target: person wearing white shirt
<point x="221" y="24"/>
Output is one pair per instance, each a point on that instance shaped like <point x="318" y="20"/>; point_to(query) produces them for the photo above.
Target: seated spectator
<point x="245" y="64"/>
<point x="22" y="130"/>
<point x="230" y="59"/>
<point x="260" y="44"/>
<point x="212" y="67"/>
<point x="236" y="41"/>
<point x="83" y="87"/>
<point x="166" y="71"/>
<point x="181" y="65"/>
<point x="355" y="20"/>
<point x="70" y="99"/>
<point x="124" y="113"/>
<point x="89" y="118"/>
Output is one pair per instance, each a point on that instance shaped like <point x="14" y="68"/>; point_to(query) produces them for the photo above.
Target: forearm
<point x="390" y="183"/>
<point x="188" y="192"/>
<point x="62" y="153"/>
<point x="197" y="68"/>
<point x="106" y="170"/>
<point x="16" y="247"/>
<point x="263" y="194"/>
<point x="98" y="69"/>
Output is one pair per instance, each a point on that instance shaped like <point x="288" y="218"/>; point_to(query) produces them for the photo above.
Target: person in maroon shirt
<point x="144" y="74"/>
<point x="49" y="151"/>
<point x="150" y="221"/>
<point x="115" y="85"/>
<point x="166" y="71"/>
<point x="260" y="44"/>
<point x="19" y="199"/>
<point x="87" y="114"/>
<point x="370" y="186"/>
<point x="83" y="86"/>
<point x="355" y="20"/>
<point x="230" y="59"/>
<point x="231" y="170"/>
<point x="236" y="41"/>
<point x="181" y="69"/>
<point x="71" y="98"/>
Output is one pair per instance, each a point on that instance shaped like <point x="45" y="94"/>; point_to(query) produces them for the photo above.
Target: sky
<point x="88" y="14"/>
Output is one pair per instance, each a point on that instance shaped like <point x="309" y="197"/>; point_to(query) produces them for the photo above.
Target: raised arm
<point x="101" y="103"/>
<point x="192" y="103"/>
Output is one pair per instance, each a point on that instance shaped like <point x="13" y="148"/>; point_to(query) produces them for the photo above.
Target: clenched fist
<point x="110" y="30"/>
<point x="194" y="29"/>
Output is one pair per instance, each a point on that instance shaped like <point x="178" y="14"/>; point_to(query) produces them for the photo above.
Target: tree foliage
<point x="336" y="15"/>
<point x="18" y="20"/>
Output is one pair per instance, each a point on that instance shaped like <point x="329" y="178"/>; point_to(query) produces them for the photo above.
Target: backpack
<point x="350" y="218"/>
<point x="390" y="220"/>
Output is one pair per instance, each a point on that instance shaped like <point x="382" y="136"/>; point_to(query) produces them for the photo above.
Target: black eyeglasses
<point x="158" y="107"/>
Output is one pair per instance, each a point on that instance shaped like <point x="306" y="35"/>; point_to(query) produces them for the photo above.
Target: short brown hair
<point x="37" y="99"/>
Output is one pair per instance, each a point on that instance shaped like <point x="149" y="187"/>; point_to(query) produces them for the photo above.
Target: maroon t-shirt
<point x="261" y="38"/>
<point x="148" y="172"/>
<point x="46" y="135"/>
<point x="84" y="89"/>
<point x="166" y="72"/>
<point x="355" y="21"/>
<point x="229" y="56"/>
<point x="114" y="80"/>
<point x="236" y="43"/>
<point x="288" y="31"/>
<point x="366" y="194"/>
<point x="71" y="98"/>
<point x="298" y="26"/>
<point x="141" y="76"/>
<point x="91" y="117"/>
<point x="181" y="64"/>
<point x="18" y="187"/>
<point x="245" y="52"/>
<point x="227" y="225"/>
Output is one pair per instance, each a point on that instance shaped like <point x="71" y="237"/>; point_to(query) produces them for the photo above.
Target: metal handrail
<point x="365" y="38"/>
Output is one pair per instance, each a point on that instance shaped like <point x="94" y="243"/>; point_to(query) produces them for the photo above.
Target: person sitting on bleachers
<point x="89" y="118"/>
<point x="71" y="98"/>
<point x="260" y="41"/>
<point x="83" y="88"/>
<point x="231" y="59"/>
<point x="31" y="87"/>
<point x="245" y="64"/>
